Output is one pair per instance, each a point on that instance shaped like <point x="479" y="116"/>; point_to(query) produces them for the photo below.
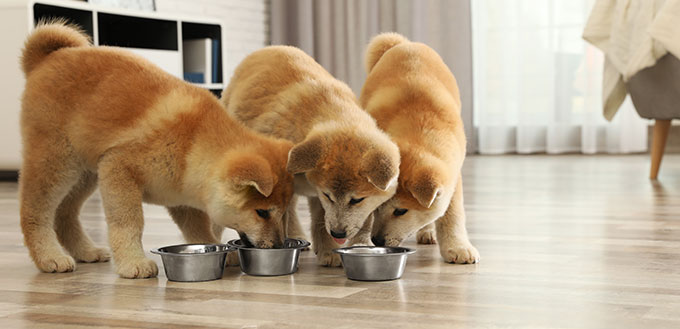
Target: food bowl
<point x="269" y="262"/>
<point x="193" y="262"/>
<point x="365" y="263"/>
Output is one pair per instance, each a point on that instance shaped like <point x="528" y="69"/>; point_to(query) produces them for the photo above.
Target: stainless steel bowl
<point x="365" y="263"/>
<point x="193" y="262"/>
<point x="269" y="262"/>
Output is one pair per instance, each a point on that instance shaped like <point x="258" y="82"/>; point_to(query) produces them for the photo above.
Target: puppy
<point x="103" y="116"/>
<point x="414" y="98"/>
<point x="343" y="163"/>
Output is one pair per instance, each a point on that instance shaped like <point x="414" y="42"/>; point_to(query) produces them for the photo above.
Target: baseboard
<point x="673" y="142"/>
<point x="9" y="175"/>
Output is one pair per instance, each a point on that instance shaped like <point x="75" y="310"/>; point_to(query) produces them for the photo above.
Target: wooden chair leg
<point x="658" y="145"/>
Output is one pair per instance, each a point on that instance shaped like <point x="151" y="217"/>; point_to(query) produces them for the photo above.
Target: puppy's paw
<point x="328" y="258"/>
<point x="463" y="253"/>
<point x="426" y="237"/>
<point x="232" y="259"/>
<point x="92" y="255"/>
<point x="139" y="268"/>
<point x="58" y="263"/>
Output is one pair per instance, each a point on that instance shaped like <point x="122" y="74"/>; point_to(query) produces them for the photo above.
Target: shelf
<point x="156" y="36"/>
<point x="137" y="32"/>
<point x="82" y="18"/>
<point x="204" y="31"/>
<point x="209" y="85"/>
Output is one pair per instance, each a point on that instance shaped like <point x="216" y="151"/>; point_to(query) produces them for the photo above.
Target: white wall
<point x="246" y="23"/>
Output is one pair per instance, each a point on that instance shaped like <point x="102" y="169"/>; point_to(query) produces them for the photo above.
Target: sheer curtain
<point x="336" y="32"/>
<point x="538" y="85"/>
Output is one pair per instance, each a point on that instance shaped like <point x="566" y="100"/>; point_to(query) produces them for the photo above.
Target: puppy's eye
<point x="399" y="212"/>
<point x="264" y="214"/>
<point x="354" y="201"/>
<point x="328" y="197"/>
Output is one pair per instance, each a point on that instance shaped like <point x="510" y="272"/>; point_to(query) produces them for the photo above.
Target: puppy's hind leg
<point x="322" y="243"/>
<point x="67" y="225"/>
<point x="454" y="245"/>
<point x="45" y="178"/>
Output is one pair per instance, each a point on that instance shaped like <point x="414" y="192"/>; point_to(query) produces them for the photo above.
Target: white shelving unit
<point x="155" y="36"/>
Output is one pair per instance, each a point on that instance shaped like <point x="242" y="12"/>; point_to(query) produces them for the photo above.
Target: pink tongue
<point x="340" y="241"/>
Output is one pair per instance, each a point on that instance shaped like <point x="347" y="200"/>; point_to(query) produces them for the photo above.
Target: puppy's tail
<point x="379" y="45"/>
<point x="48" y="37"/>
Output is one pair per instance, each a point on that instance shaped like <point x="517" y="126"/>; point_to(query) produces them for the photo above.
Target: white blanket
<point x="633" y="34"/>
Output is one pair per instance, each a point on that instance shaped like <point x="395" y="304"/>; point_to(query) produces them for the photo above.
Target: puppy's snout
<point x="277" y="244"/>
<point x="276" y="241"/>
<point x="378" y="241"/>
<point x="339" y="234"/>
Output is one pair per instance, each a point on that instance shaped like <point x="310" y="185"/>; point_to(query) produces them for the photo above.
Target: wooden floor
<point x="566" y="242"/>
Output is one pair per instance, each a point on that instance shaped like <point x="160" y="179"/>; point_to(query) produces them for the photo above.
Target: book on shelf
<point x="194" y="77"/>
<point x="215" y="61"/>
<point x="201" y="60"/>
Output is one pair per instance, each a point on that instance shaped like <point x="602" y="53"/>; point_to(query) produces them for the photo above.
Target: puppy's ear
<point x="304" y="156"/>
<point x="251" y="171"/>
<point x="381" y="169"/>
<point x="424" y="186"/>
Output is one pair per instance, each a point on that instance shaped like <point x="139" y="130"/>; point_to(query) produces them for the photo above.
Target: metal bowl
<point x="269" y="262"/>
<point x="193" y="262"/>
<point x="366" y="263"/>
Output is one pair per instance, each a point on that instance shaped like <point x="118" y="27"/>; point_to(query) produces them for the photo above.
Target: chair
<point x="655" y="92"/>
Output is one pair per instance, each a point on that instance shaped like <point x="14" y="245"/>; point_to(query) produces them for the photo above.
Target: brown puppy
<point x="345" y="164"/>
<point x="101" y="115"/>
<point x="414" y="97"/>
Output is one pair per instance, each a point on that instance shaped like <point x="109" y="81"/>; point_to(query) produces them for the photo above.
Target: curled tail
<point x="49" y="37"/>
<point x="379" y="45"/>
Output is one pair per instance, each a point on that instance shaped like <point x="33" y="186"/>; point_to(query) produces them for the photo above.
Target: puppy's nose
<point x="378" y="241"/>
<point x="338" y="234"/>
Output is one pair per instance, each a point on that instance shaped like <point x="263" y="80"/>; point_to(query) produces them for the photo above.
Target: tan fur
<point x="414" y="98"/>
<point x="339" y="150"/>
<point x="377" y="49"/>
<point x="44" y="41"/>
<point x="103" y="115"/>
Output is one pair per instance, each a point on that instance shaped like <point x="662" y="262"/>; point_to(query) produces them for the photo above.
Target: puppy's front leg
<point x="322" y="242"/>
<point x="232" y="257"/>
<point x="122" y="198"/>
<point x="218" y="231"/>
<point x="195" y="225"/>
<point x="454" y="245"/>
<point x="293" y="228"/>
<point x="363" y="237"/>
<point x="426" y="235"/>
